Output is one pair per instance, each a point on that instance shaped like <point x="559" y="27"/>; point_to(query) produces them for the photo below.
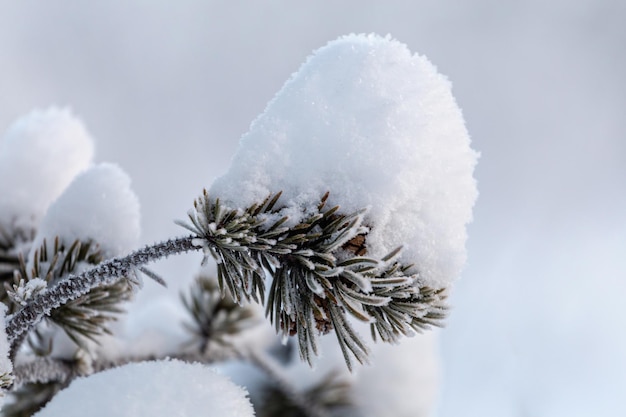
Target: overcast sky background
<point x="167" y="88"/>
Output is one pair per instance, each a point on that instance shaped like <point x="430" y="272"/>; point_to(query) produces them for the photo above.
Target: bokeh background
<point x="538" y="327"/>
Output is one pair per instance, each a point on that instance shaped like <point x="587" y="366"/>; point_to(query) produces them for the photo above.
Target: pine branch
<point x="75" y="286"/>
<point x="43" y="370"/>
<point x="30" y="398"/>
<point x="317" y="278"/>
<point x="47" y="370"/>
<point x="85" y="318"/>
<point x="11" y="240"/>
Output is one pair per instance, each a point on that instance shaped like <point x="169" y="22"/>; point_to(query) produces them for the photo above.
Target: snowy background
<point x="168" y="88"/>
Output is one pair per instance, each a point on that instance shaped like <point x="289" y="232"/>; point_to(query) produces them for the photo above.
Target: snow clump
<point x="156" y="389"/>
<point x="379" y="128"/>
<point x="39" y="155"/>
<point x="99" y="206"/>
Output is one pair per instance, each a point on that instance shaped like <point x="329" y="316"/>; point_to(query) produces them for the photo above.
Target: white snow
<point x="156" y="389"/>
<point x="378" y="127"/>
<point x="98" y="205"/>
<point x="40" y="154"/>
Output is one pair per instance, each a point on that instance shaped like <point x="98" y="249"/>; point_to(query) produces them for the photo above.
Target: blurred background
<point x="538" y="326"/>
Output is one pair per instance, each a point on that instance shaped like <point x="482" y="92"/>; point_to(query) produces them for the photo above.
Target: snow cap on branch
<point x="99" y="206"/>
<point x="378" y="127"/>
<point x="39" y="155"/>
<point x="156" y="389"/>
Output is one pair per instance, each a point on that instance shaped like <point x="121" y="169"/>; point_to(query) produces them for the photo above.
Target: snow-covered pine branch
<point x="378" y="128"/>
<point x="75" y="286"/>
<point x="40" y="154"/>
<point x="350" y="194"/>
<point x="316" y="279"/>
<point x="95" y="218"/>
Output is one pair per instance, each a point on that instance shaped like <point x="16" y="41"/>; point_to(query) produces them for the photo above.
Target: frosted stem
<point x="43" y="370"/>
<point x="75" y="286"/>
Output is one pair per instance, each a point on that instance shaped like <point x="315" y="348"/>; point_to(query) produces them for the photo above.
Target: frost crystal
<point x="379" y="128"/>
<point x="26" y="291"/>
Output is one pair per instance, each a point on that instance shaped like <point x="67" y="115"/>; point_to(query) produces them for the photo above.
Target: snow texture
<point x="99" y="205"/>
<point x="156" y="389"/>
<point x="39" y="155"/>
<point x="378" y="127"/>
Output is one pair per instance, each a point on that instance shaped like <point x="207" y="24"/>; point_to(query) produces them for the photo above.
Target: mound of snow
<point x="155" y="389"/>
<point x="40" y="154"/>
<point x="99" y="205"/>
<point x="377" y="127"/>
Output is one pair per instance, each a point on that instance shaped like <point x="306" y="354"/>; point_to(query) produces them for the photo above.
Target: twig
<point x="75" y="286"/>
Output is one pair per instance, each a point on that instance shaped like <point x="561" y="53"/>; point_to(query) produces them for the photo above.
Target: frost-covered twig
<point x="43" y="370"/>
<point x="49" y="370"/>
<point x="75" y="286"/>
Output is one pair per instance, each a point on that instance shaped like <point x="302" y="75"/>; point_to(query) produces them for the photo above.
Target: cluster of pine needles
<point x="318" y="271"/>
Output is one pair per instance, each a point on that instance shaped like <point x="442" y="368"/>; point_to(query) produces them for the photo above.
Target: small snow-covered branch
<point x="43" y="370"/>
<point x="47" y="369"/>
<point x="75" y="286"/>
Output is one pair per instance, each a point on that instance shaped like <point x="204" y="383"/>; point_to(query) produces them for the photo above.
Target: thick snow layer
<point x="378" y="127"/>
<point x="99" y="205"/>
<point x="39" y="155"/>
<point x="156" y="389"/>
